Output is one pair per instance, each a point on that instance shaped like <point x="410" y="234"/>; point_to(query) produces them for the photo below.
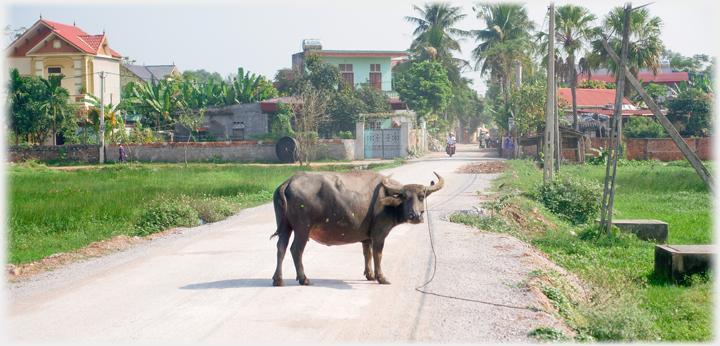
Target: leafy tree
<point x="12" y="34"/>
<point x="322" y="76"/>
<point x="345" y="106"/>
<point x="425" y="88"/>
<point x="594" y="84"/>
<point x="644" y="48"/>
<point x="436" y="39"/>
<point x="681" y="63"/>
<point x="528" y="106"/>
<point x="466" y="107"/>
<point x="643" y="127"/>
<point x="39" y="106"/>
<point x="694" y="108"/>
<point x="287" y="79"/>
<point x="202" y="77"/>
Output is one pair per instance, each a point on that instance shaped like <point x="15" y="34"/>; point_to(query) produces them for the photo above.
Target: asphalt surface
<point x="213" y="282"/>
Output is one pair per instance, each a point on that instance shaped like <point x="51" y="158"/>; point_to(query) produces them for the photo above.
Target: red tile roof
<point x="590" y="97"/>
<point x="79" y="38"/>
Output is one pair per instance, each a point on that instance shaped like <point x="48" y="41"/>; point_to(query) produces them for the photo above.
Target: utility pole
<point x="616" y="129"/>
<point x="102" y="118"/>
<point x="549" y="136"/>
<point x="518" y="84"/>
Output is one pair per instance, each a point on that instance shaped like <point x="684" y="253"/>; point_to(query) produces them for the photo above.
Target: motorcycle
<point x="450" y="149"/>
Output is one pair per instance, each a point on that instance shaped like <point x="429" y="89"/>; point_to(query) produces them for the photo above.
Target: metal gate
<point x="383" y="144"/>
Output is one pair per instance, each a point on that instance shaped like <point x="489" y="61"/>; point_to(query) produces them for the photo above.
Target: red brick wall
<point x="663" y="149"/>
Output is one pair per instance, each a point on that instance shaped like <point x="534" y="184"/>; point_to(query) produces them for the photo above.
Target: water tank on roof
<point x="311" y="44"/>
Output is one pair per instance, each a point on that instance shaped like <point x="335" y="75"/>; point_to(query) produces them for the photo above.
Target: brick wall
<point x="663" y="149"/>
<point x="79" y="153"/>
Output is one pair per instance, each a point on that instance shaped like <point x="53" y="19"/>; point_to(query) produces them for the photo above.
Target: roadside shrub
<point x="211" y="209"/>
<point x="343" y="135"/>
<point x="573" y="199"/>
<point x="643" y="127"/>
<point x="164" y="214"/>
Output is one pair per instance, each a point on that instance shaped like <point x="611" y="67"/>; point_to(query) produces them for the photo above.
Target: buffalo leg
<point x="283" y="240"/>
<point x="367" y="252"/>
<point x="296" y="249"/>
<point x="377" y="258"/>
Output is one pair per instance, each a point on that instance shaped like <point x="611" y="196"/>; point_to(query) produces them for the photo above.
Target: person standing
<point x="487" y="139"/>
<point x="122" y="154"/>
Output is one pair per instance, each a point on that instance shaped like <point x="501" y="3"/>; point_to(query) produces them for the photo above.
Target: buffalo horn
<point x="390" y="187"/>
<point x="432" y="188"/>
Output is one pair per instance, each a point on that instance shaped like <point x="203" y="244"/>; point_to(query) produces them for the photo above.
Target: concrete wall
<point x="234" y="122"/>
<point x="338" y="149"/>
<point x="80" y="153"/>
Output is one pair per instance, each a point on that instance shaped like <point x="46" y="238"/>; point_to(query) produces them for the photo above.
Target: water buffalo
<point x="344" y="208"/>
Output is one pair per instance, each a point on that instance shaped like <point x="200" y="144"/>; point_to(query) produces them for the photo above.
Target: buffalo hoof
<point x="370" y="276"/>
<point x="305" y="282"/>
<point x="278" y="282"/>
<point x="382" y="280"/>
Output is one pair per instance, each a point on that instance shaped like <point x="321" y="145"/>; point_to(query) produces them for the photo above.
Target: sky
<point x="221" y="36"/>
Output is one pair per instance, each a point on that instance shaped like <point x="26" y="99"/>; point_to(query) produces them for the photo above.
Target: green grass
<point x="52" y="211"/>
<point x="628" y="301"/>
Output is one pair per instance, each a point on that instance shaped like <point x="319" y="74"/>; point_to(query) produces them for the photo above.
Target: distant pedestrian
<point x="487" y="139"/>
<point x="122" y="154"/>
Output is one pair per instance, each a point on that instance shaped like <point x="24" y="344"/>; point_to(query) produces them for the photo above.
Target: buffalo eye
<point x="421" y="198"/>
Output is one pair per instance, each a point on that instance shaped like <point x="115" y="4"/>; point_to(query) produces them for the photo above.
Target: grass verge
<point x="625" y="300"/>
<point x="53" y="211"/>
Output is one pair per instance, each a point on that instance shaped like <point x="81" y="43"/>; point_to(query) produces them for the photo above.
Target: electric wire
<point x="432" y="246"/>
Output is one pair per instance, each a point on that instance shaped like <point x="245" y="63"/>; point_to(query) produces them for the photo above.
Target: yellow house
<point x="53" y="48"/>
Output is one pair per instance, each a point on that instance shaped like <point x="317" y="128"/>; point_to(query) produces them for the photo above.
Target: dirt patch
<point x="491" y="167"/>
<point x="96" y="249"/>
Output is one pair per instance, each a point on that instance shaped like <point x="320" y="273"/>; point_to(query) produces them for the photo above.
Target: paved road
<point x="213" y="282"/>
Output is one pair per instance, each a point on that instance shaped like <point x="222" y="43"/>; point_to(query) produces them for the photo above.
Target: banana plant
<point x="159" y="99"/>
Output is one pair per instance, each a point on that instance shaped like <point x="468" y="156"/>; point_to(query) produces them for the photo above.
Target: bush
<point x="573" y="199"/>
<point x="165" y="214"/>
<point x="344" y="135"/>
<point x="643" y="127"/>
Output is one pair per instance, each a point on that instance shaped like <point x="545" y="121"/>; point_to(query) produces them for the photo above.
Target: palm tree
<point x="644" y="49"/>
<point x="573" y="31"/>
<point x="55" y="99"/>
<point x="435" y="37"/>
<point x="506" y="38"/>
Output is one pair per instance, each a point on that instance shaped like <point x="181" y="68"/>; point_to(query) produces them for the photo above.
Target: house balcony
<point x="391" y="93"/>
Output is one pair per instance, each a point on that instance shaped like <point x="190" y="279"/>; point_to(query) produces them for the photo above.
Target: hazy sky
<point x="261" y="36"/>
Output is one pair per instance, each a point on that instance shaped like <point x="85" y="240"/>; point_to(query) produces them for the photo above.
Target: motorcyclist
<point x="450" y="142"/>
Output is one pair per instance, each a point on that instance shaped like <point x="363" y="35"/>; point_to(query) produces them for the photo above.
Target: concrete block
<point x="644" y="229"/>
<point x="677" y="261"/>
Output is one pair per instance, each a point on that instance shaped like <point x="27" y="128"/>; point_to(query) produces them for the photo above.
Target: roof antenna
<point x="40" y="15"/>
<point x="73" y="22"/>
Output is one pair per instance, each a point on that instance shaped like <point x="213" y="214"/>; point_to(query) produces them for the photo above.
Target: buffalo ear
<point x="391" y="201"/>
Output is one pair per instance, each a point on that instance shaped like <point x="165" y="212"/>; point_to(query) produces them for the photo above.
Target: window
<point x="345" y="67"/>
<point x="374" y="67"/>
<point x="376" y="80"/>
<point x="349" y="78"/>
<point x="375" y="125"/>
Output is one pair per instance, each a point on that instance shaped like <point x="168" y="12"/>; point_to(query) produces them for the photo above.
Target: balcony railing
<point x="391" y="93"/>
